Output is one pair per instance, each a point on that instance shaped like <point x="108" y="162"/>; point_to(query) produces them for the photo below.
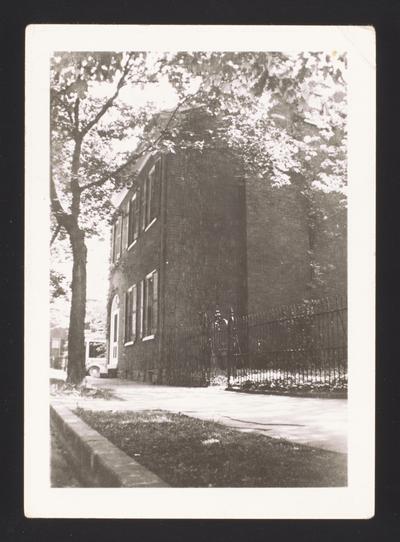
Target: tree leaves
<point x="267" y="105"/>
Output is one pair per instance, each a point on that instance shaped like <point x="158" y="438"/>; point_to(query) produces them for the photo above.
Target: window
<point x="112" y="241"/>
<point x="125" y="225"/>
<point x="142" y="211"/>
<point x="130" y="314"/>
<point x="149" y="196"/>
<point x="140" y="308"/>
<point x="117" y="240"/>
<point x="150" y="305"/>
<point x="143" y="204"/>
<point x="133" y="229"/>
<point x="97" y="350"/>
<point x="154" y="191"/>
<point x="149" y="203"/>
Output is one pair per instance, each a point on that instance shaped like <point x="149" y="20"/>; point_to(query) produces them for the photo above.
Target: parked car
<point x="95" y="359"/>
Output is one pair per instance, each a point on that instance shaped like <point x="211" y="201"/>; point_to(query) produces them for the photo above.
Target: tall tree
<point x="283" y="115"/>
<point x="83" y="168"/>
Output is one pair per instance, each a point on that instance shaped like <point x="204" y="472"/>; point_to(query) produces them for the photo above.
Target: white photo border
<point x="354" y="501"/>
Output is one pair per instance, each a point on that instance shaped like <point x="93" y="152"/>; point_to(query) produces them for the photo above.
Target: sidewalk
<point x="321" y="423"/>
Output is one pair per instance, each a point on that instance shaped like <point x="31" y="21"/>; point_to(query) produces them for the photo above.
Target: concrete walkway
<point x="321" y="423"/>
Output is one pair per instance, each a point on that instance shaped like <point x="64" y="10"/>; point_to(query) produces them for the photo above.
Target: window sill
<point x="151" y="223"/>
<point x="129" y="343"/>
<point x="148" y="337"/>
<point x="132" y="244"/>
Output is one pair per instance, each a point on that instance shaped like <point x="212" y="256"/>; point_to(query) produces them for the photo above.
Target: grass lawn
<point x="188" y="452"/>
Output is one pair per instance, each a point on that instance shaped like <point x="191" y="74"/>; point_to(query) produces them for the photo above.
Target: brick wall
<point x="205" y="236"/>
<point x="218" y="240"/>
<point x="139" y="360"/>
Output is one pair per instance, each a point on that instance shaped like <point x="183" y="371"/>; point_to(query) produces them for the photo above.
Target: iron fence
<point x="297" y="347"/>
<point x="289" y="348"/>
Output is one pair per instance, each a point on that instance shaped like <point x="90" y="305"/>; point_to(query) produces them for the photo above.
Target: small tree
<point x="275" y="112"/>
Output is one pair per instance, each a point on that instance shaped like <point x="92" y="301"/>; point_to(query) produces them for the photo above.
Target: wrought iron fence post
<point x="206" y="347"/>
<point x="231" y="331"/>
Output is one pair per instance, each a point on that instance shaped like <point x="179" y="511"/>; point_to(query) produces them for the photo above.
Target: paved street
<point x="321" y="423"/>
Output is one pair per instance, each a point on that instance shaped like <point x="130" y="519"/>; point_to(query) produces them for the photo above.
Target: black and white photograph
<point x="200" y="284"/>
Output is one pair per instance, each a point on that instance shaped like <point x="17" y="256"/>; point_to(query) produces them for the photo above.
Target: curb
<point x="97" y="461"/>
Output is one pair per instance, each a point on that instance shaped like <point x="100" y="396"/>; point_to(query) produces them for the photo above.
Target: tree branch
<point x="109" y="103"/>
<point x="56" y="97"/>
<point x="63" y="218"/>
<point x="54" y="236"/>
<point x="76" y="115"/>
<point x="138" y="155"/>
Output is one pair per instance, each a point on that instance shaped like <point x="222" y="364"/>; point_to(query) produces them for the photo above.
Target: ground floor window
<point x="130" y="314"/>
<point x="150" y="304"/>
<point x="141" y="309"/>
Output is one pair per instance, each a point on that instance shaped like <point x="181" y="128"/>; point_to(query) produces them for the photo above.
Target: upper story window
<point x="125" y="226"/>
<point x="116" y="239"/>
<point x="150" y="200"/>
<point x="141" y="211"/>
<point x="133" y="219"/>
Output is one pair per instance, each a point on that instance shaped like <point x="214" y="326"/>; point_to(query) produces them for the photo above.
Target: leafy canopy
<point x="284" y="115"/>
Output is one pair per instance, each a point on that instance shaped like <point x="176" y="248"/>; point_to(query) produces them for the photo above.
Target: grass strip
<point x="188" y="452"/>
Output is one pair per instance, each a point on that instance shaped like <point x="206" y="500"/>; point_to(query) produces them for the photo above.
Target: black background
<point x="385" y="17"/>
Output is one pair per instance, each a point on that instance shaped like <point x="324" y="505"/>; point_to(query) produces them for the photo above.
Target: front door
<point x="114" y="328"/>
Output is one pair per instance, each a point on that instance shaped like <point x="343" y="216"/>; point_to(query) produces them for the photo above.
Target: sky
<point x="97" y="278"/>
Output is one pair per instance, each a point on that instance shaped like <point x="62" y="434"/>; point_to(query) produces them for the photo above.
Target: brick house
<point x="191" y="234"/>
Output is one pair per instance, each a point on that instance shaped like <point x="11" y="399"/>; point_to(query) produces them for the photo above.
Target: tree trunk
<point x="76" y="334"/>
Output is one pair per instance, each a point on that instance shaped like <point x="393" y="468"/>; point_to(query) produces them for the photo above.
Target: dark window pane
<point x="133" y="313"/>
<point x="140" y="308"/>
<point x="143" y="203"/>
<point x="125" y="226"/>
<point x="136" y="218"/>
<point x="149" y="194"/>
<point x="154" y="301"/>
<point x="115" y="327"/>
<point x="155" y="191"/>
<point x="117" y="239"/>
<point x="97" y="350"/>
<point x="133" y="219"/>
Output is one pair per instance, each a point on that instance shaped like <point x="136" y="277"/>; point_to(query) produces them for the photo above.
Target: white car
<point x="95" y="359"/>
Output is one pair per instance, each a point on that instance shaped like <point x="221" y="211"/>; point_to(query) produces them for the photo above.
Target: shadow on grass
<point x="188" y="452"/>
